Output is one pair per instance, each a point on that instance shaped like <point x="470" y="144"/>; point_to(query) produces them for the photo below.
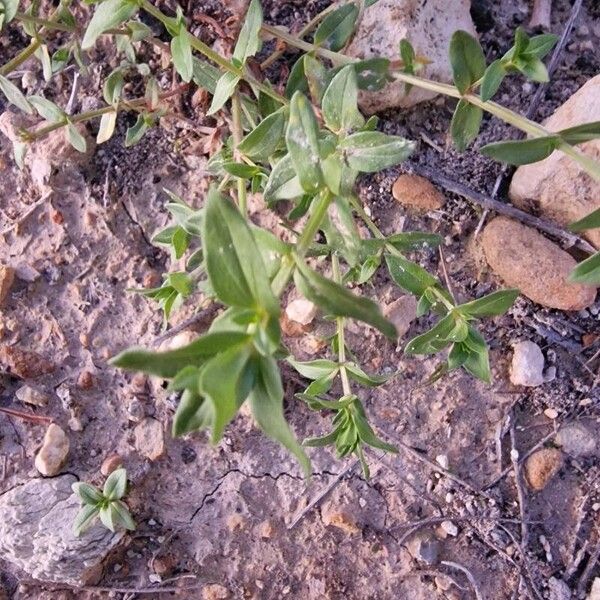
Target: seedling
<point x="106" y="504"/>
<point x="306" y="146"/>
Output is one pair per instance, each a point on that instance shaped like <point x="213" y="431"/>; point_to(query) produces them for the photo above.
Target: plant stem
<point x="226" y="65"/>
<point x="47" y="23"/>
<point x="18" y="60"/>
<point x="236" y="114"/>
<point x="337" y="277"/>
<point x="303" y="32"/>
<point x="321" y="204"/>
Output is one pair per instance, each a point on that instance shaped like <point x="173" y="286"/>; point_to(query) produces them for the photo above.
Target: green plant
<point x="306" y="146"/>
<point x="106" y="504"/>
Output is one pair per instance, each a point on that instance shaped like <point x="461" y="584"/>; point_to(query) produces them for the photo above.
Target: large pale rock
<point x="558" y="187"/>
<point x="427" y="24"/>
<point x="150" y="438"/>
<point x="525" y="259"/>
<point x="54" y="451"/>
<point x="36" y="533"/>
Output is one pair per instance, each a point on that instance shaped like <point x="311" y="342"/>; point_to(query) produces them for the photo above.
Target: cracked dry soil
<point x="220" y="515"/>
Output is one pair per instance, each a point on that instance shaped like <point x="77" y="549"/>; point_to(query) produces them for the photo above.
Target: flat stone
<point x="417" y="193"/>
<point x="150" y="438"/>
<point x="527" y="260"/>
<point x="542" y="466"/>
<point x="30" y="395"/>
<point x="54" y="451"/>
<point x="557" y="187"/>
<point x="24" y="363"/>
<point x="527" y="366"/>
<point x="577" y="440"/>
<point x="36" y="533"/>
<point x="424" y="547"/>
<point x="428" y="24"/>
<point x="595" y="591"/>
<point x="301" y="311"/>
<point x="401" y="312"/>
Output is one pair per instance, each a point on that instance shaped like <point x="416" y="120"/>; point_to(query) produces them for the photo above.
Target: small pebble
<point x="442" y="460"/>
<point x="450" y="528"/>
<point x="551" y="413"/>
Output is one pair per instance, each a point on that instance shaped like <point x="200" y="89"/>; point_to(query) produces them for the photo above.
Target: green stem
<point x="337" y="277"/>
<point x="236" y="114"/>
<point x="201" y="47"/>
<point x="320" y="204"/>
<point x="18" y="60"/>
<point x="47" y="23"/>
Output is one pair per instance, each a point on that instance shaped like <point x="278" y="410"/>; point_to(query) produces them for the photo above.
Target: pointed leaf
<point x="467" y="60"/>
<point x="340" y="102"/>
<point x="181" y="51"/>
<point x="115" y="485"/>
<point x="84" y="518"/>
<point x="337" y="27"/>
<point x="223" y="91"/>
<point x="372" y="151"/>
<point x="249" y="41"/>
<point x="108" y="14"/>
<point x="465" y="125"/>
<point x="588" y="271"/>
<point x="14" y="95"/>
<point x="522" y="152"/>
<point x="496" y="303"/>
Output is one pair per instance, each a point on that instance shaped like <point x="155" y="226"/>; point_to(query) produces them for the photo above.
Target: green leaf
<point x="478" y="361"/>
<point x="108" y="123"/>
<point x="283" y="183"/>
<point x="467" y="60"/>
<point x="522" y="152"/>
<point x="315" y="369"/>
<point x="338" y="301"/>
<point x="302" y="140"/>
<point x="226" y="381"/>
<point x="47" y="109"/>
<point x="84" y="518"/>
<point x="43" y="56"/>
<point x="181" y="282"/>
<point x="136" y="132"/>
<point x="365" y="432"/>
<point x="14" y="95"/>
<point x="492" y="78"/>
<point x="414" y="240"/>
<point x="496" y="303"/>
<point x="87" y="493"/>
<point x="465" y="125"/>
<point x="249" y="42"/>
<point x="337" y="27"/>
<point x="108" y="14"/>
<point x="241" y="170"/>
<point x="590" y="221"/>
<point x="193" y="413"/>
<point x="266" y="401"/>
<point x="223" y="91"/>
<point x="449" y="329"/>
<point x="205" y="75"/>
<point x="372" y="151"/>
<point x="540" y="45"/>
<point x="233" y="261"/>
<point x="181" y="51"/>
<point x="534" y="69"/>
<point x="8" y="10"/>
<point x="167" y="364"/>
<point x="356" y="373"/>
<point x="107" y="516"/>
<point x="317" y="76"/>
<point x="122" y="516"/>
<point x="340" y="102"/>
<point x="580" y="133"/>
<point x="115" y="485"/>
<point x="372" y="74"/>
<point x="76" y="139"/>
<point x="588" y="271"/>
<point x="264" y="140"/>
<point x="297" y="81"/>
<point x="409" y="275"/>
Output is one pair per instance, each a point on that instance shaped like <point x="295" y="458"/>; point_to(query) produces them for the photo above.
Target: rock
<point x="595" y="591"/>
<point x="85" y="381"/>
<point x="266" y="530"/>
<point x="340" y="519"/>
<point x="427" y="24"/>
<point x="7" y="278"/>
<point x="577" y="440"/>
<point x="301" y="311"/>
<point x="36" y="533"/>
<point x="215" y="591"/>
<point x="53" y="453"/>
<point x="30" y="395"/>
<point x="24" y="363"/>
<point x="135" y="410"/>
<point x="424" y="547"/>
<point x="450" y="528"/>
<point x="111" y="463"/>
<point x="525" y="259"/>
<point x="418" y="193"/>
<point x="527" y="366"/>
<point x="557" y="187"/>
<point x="551" y="413"/>
<point x="150" y="438"/>
<point x="542" y="466"/>
<point x="401" y="313"/>
<point x="558" y="589"/>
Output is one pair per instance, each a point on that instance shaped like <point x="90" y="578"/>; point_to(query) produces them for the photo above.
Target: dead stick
<point x="521" y="495"/>
<point x="468" y="574"/>
<point x="26" y="416"/>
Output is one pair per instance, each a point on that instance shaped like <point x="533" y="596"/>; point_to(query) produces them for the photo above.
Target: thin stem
<point x="236" y="114"/>
<point x="226" y="65"/>
<point x="302" y="33"/>
<point x="18" y="60"/>
<point x="321" y="204"/>
<point x="337" y="277"/>
<point x="47" y="23"/>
